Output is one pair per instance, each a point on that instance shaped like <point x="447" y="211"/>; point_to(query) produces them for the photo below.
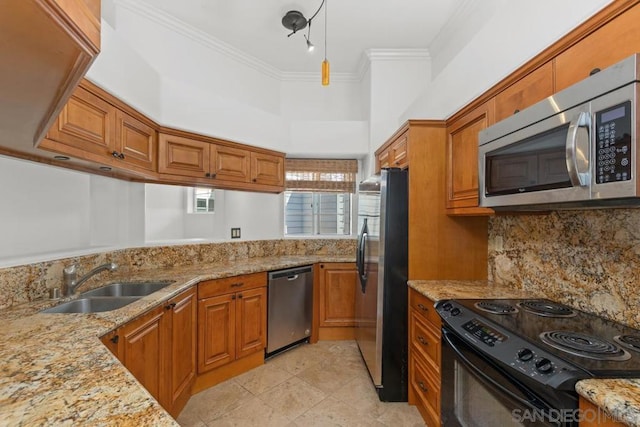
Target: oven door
<point x="546" y="162"/>
<point x="477" y="393"/>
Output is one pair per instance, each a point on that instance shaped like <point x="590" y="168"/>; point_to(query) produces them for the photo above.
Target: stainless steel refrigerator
<point x="381" y="298"/>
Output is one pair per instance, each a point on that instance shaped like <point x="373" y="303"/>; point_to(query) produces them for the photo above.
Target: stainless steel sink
<point x="126" y="289"/>
<point x="91" y="305"/>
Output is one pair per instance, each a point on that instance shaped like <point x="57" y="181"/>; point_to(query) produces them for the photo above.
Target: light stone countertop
<point x="55" y="370"/>
<point x="619" y="397"/>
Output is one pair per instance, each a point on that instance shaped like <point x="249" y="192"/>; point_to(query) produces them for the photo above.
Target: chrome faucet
<point x="70" y="276"/>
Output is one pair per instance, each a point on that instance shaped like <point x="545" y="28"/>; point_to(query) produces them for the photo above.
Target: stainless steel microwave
<point x="575" y="149"/>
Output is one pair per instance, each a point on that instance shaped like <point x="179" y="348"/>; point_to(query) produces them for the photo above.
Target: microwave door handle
<point x="577" y="150"/>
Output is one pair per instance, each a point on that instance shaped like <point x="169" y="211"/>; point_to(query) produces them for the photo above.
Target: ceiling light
<point x="310" y="46"/>
<point x="61" y="157"/>
<point x="325" y="63"/>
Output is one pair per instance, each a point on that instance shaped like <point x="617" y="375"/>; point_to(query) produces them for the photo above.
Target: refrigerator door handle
<point x="362" y="272"/>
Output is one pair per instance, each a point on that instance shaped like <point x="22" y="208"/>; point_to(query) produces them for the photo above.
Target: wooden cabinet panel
<point x="384" y="160"/>
<point x="183" y="156"/>
<point x="251" y="321"/>
<point x="400" y="158"/>
<point x="462" y="156"/>
<point x="267" y="169"/>
<point x="113" y="343"/>
<point x="86" y="122"/>
<point x="426" y="390"/>
<point x="593" y="416"/>
<point x="136" y="141"/>
<point x="425" y="340"/>
<point x="609" y="44"/>
<point x="144" y="341"/>
<point x="210" y="288"/>
<point x="182" y="360"/>
<point x="216" y="331"/>
<point x="530" y="89"/>
<point x="338" y="282"/>
<point x="230" y="164"/>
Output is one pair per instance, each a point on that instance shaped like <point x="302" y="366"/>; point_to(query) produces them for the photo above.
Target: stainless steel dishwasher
<point x="290" y="307"/>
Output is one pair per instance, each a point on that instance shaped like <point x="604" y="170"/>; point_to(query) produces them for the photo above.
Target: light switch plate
<point x="235" y="233"/>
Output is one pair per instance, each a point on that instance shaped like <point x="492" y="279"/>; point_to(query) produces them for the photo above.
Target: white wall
<point x="260" y="216"/>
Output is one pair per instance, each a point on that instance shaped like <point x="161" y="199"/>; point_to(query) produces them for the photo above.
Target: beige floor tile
<point x="361" y="395"/>
<point x="297" y="360"/>
<point x="401" y="414"/>
<point x="328" y="378"/>
<point x="331" y="412"/>
<point x="292" y="397"/>
<point x="252" y="413"/>
<point x="188" y="418"/>
<point x="215" y="401"/>
<point x="262" y="378"/>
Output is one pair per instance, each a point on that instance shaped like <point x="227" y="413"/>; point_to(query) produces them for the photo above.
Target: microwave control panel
<point x="613" y="144"/>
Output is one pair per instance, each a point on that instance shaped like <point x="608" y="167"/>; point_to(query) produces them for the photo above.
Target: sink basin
<point x="91" y="305"/>
<point x="126" y="289"/>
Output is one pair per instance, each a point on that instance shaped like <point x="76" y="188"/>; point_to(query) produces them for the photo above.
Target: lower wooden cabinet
<point x="337" y="284"/>
<point x="231" y="324"/>
<point x="592" y="416"/>
<point x="424" y="357"/>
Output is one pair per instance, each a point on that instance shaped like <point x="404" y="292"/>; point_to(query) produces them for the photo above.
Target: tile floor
<point x="324" y="384"/>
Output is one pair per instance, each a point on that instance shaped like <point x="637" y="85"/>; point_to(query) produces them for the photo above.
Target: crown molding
<point x="459" y="17"/>
<point x="397" y="54"/>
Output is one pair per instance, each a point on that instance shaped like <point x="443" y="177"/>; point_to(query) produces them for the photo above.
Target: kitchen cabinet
<point x="183" y="156"/>
<point x="607" y="45"/>
<point x="592" y="416"/>
<point x="232" y="319"/>
<point x="49" y="46"/>
<point x="530" y="89"/>
<point x="393" y="154"/>
<point x="462" y="160"/>
<point x="136" y="142"/>
<point x="159" y="349"/>
<point x="424" y="357"/>
<point x="267" y="169"/>
<point x="337" y="284"/>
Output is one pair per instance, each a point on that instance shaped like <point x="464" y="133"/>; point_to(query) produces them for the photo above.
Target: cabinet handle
<point x="240" y="296"/>
<point x="213" y="175"/>
<point x="594" y="71"/>
<point x="237" y="285"/>
<point x="233" y="296"/>
<point x="170" y="306"/>
<point x="115" y="154"/>
<point x="516" y="111"/>
<point x="207" y="174"/>
<point x="121" y="155"/>
<point x="321" y="265"/>
<point x="114" y="339"/>
<point x="422" y="307"/>
<point x="422" y="340"/>
<point x="255" y="179"/>
<point x="422" y="386"/>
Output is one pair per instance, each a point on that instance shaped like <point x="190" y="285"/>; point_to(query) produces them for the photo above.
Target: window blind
<point x="336" y="175"/>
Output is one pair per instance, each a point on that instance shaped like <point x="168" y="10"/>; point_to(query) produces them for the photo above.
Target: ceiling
<point x="254" y="27"/>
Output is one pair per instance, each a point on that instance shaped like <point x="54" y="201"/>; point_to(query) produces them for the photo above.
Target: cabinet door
<point x="145" y="342"/>
<point x="384" y="160"/>
<point x="216" y="332"/>
<point x="251" y="321"/>
<point x="86" y="122"/>
<point x="182" y="361"/>
<point x="230" y="164"/>
<point x="136" y="142"/>
<point x="462" y="156"/>
<point x="593" y="416"/>
<point x="609" y="44"/>
<point x="399" y="149"/>
<point x="183" y="156"/>
<point x="338" y="284"/>
<point x="267" y="169"/>
<point x="530" y="89"/>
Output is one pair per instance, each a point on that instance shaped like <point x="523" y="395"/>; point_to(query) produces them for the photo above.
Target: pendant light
<point x="325" y="63"/>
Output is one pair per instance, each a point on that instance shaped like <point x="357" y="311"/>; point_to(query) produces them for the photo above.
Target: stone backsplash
<point x="587" y="259"/>
<point x="30" y="282"/>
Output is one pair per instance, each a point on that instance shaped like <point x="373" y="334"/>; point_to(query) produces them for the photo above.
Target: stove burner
<point x="584" y="345"/>
<point x="629" y="341"/>
<point x="496" y="307"/>
<point x="547" y="308"/>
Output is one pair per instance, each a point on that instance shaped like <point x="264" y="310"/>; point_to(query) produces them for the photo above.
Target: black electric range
<point x="549" y="343"/>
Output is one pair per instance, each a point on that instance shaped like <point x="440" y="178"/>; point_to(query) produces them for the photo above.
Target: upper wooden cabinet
<point x="267" y="169"/>
<point x="530" y="89"/>
<point x="607" y="45"/>
<point x="136" y="142"/>
<point x="231" y="164"/>
<point x="394" y="153"/>
<point x="462" y="160"/>
<point x="47" y="46"/>
<point x="183" y="156"/>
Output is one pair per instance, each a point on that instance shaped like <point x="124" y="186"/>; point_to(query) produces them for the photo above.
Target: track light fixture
<point x="295" y="21"/>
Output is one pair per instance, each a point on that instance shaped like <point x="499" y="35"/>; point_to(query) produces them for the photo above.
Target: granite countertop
<point x="55" y="370"/>
<point x="618" y="397"/>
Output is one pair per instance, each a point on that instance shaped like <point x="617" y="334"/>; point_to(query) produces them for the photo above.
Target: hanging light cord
<point x="325" y="29"/>
<point x="314" y="15"/>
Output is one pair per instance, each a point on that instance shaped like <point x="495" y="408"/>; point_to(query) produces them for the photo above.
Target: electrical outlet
<point x="235" y="233"/>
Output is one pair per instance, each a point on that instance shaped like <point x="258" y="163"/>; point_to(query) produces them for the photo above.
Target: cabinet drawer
<point x="425" y="340"/>
<point x="210" y="288"/>
<point x="426" y="389"/>
<point x="424" y="306"/>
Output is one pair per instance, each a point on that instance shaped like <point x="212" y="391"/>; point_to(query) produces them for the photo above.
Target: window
<point x="318" y="199"/>
<point x="203" y="200"/>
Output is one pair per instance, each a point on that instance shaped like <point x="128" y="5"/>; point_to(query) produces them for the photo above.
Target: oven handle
<point x="577" y="150"/>
<point x="446" y="335"/>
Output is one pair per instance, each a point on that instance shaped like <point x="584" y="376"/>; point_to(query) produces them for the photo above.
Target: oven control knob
<point x="525" y="354"/>
<point x="544" y="366"/>
<point x="447" y="306"/>
<point x="455" y="311"/>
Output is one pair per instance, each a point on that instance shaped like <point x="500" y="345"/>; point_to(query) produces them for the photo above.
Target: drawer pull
<point x="237" y="285"/>
<point x="422" y="386"/>
<point x="422" y="307"/>
<point x="422" y="340"/>
<point x="594" y="71"/>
